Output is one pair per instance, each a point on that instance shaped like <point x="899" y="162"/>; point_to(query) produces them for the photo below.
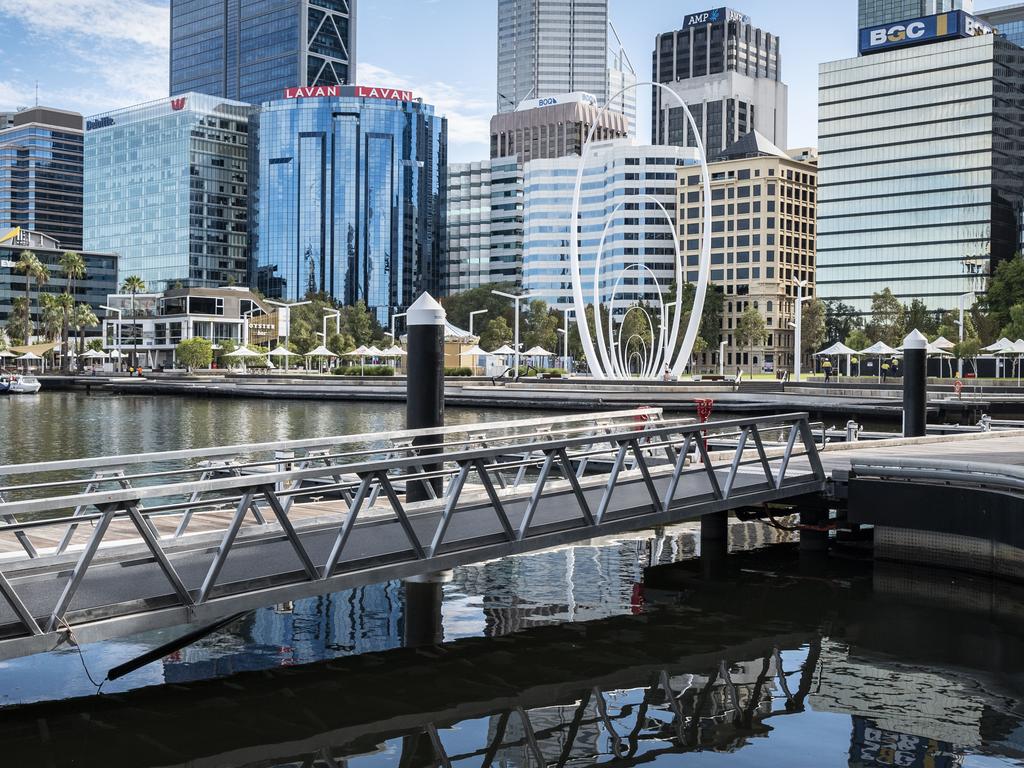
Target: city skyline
<point x="125" y="61"/>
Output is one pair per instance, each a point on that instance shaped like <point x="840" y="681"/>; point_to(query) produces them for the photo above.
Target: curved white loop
<point x="661" y="348"/>
<point x="621" y="356"/>
<point x="704" y="268"/>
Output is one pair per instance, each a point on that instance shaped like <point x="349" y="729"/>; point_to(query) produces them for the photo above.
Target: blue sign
<point x="102" y="122"/>
<point x="713" y="16"/>
<point x="927" y="29"/>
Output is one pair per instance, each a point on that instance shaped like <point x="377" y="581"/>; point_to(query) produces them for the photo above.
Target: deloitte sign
<point x="927" y="29"/>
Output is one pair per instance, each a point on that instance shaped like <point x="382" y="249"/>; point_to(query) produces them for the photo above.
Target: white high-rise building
<point x="623" y="184"/>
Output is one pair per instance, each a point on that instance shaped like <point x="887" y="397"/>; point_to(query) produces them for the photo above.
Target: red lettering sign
<point x="177" y="104"/>
<point x="370" y="92"/>
<point x="312" y="91"/>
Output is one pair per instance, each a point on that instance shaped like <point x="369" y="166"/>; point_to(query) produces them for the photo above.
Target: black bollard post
<point x="915" y="384"/>
<point x="422" y="623"/>
<point x="714" y="544"/>
<point x="424" y="387"/>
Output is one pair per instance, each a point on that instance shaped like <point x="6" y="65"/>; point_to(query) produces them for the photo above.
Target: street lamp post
<point x="565" y="333"/>
<point x="798" y="328"/>
<point x="960" y="323"/>
<point x="394" y="339"/>
<point x="477" y="312"/>
<point x="336" y="314"/>
<point x="118" y="336"/>
<point x="721" y="358"/>
<point x="288" y="332"/>
<point x="515" y="343"/>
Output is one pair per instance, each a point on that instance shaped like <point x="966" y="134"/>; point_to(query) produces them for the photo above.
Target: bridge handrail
<point x="641" y="431"/>
<point x="109" y="462"/>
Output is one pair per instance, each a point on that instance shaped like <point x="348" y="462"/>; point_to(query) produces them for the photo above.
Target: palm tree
<point x="73" y="267"/>
<point x="51" y="318"/>
<point x="28" y="264"/>
<point x="134" y="284"/>
<point x="83" y="317"/>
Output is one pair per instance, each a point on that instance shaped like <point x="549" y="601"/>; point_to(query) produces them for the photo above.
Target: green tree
<point x="133" y="284"/>
<point x="968" y="349"/>
<point x="950" y="328"/>
<point x="52" y="310"/>
<point x="858" y="339"/>
<point x="812" y="326"/>
<point x="34" y="271"/>
<point x="459" y="305"/>
<point x="751" y="332"/>
<point x="19" y="325"/>
<point x="920" y="317"/>
<point x="496" y="333"/>
<point x="1005" y="288"/>
<point x="194" y="353"/>
<point x="83" y="317"/>
<point x="538" y="327"/>
<point x="888" y="318"/>
<point x="72" y="266"/>
<point x="840" y="320"/>
<point x="1015" y="328"/>
<point x="96" y="345"/>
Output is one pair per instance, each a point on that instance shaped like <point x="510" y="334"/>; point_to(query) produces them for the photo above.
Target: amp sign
<point x="713" y="16"/>
<point x="928" y="29"/>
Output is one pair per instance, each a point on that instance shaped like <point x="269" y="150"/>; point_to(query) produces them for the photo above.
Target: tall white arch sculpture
<point x="601" y="366"/>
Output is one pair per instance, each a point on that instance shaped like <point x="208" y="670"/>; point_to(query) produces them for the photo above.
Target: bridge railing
<point x="576" y="486"/>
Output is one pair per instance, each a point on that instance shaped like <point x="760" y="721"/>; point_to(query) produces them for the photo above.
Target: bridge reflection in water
<point x="780" y="662"/>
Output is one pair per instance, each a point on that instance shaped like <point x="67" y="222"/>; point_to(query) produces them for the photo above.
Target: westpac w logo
<point x="177" y="104"/>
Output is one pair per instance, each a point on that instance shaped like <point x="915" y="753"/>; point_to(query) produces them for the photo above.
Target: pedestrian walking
<point x="826" y="366"/>
<point x="885" y="370"/>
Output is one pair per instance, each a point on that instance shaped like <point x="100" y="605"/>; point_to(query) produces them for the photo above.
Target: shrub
<point x="366" y="370"/>
<point x="463" y="371"/>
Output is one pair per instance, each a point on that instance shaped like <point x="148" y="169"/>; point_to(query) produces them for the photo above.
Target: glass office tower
<point x="920" y="184"/>
<point x="351" y="198"/>
<point x="41" y="174"/>
<point x="1008" y="21"/>
<point x="166" y="187"/>
<point x="251" y="50"/>
<point x="550" y="47"/>
<point x="871" y="13"/>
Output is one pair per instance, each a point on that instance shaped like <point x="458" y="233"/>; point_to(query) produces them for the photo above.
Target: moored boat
<point x="23" y="385"/>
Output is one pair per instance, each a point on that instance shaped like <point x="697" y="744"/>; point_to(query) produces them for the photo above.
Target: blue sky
<point x="93" y="55"/>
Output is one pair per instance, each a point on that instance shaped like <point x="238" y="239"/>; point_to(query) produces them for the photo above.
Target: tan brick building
<point x="763" y="206"/>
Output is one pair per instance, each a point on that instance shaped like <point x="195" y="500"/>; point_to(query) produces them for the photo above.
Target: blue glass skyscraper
<point x="41" y="174"/>
<point x="251" y="50"/>
<point x="350" y="197"/>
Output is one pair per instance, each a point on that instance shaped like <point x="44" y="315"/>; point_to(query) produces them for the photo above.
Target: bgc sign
<point x="928" y="29"/>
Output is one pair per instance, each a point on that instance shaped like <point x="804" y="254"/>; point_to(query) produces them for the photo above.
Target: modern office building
<point x="548" y="47"/>
<point x="351" y="197"/>
<point x="1008" y="21"/>
<point x="920" y="182"/>
<point x="251" y="50"/>
<point x="763" y="205"/>
<point x="555" y="126"/>
<point x="92" y="289"/>
<point x="728" y="72"/>
<point x="166" y="188"/>
<point x="871" y="13"/>
<point x="484" y="224"/>
<point x="153" y="324"/>
<point x="41" y="173"/>
<point x="623" y="184"/>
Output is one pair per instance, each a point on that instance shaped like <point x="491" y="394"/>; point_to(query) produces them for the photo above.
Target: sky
<point x="95" y="55"/>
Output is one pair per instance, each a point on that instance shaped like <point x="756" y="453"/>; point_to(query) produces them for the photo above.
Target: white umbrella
<point x="116" y="354"/>
<point x="372" y="351"/>
<point x="1013" y="348"/>
<point x="93" y="354"/>
<point x="7" y="353"/>
<point x="394" y="351"/>
<point x="281" y="352"/>
<point x="358" y="351"/>
<point x="321" y="351"/>
<point x="943" y="343"/>
<point x="243" y="352"/>
<point x="838" y="349"/>
<point x="29" y="356"/>
<point x="505" y="349"/>
<point x="881" y="349"/>
<point x="538" y="352"/>
<point x="475" y="351"/>
<point x="999" y="346"/>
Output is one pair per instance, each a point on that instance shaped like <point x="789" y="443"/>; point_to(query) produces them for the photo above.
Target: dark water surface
<point x="621" y="651"/>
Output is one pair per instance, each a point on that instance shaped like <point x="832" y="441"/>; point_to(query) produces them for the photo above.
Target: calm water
<point x="572" y="657"/>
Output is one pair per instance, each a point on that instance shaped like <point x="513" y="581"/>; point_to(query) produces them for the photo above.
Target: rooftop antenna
<point x="621" y="58"/>
<point x="37" y="93"/>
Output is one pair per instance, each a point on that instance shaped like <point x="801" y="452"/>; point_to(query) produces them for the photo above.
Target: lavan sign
<point x="927" y="29"/>
<point x="712" y="16"/>
<point x="333" y="91"/>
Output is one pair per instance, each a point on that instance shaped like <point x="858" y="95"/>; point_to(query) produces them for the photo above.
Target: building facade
<point x="1008" y="21"/>
<point x="92" y="289"/>
<point x="351" y="197"/>
<point x="622" y="186"/>
<point x="763" y="207"/>
<point x="920" y="179"/>
<point x="555" y="126"/>
<point x="153" y="324"/>
<point x="484" y="224"/>
<point x="728" y="72"/>
<point x="548" y="47"/>
<point x="41" y="173"/>
<point x="873" y="12"/>
<point x="251" y="50"/>
<point x="166" y="188"/>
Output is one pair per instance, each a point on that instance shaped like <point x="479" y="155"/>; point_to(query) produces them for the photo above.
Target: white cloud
<point x="113" y="53"/>
<point x="468" y="110"/>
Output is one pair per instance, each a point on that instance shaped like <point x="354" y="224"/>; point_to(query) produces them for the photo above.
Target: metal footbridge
<point x="114" y="545"/>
